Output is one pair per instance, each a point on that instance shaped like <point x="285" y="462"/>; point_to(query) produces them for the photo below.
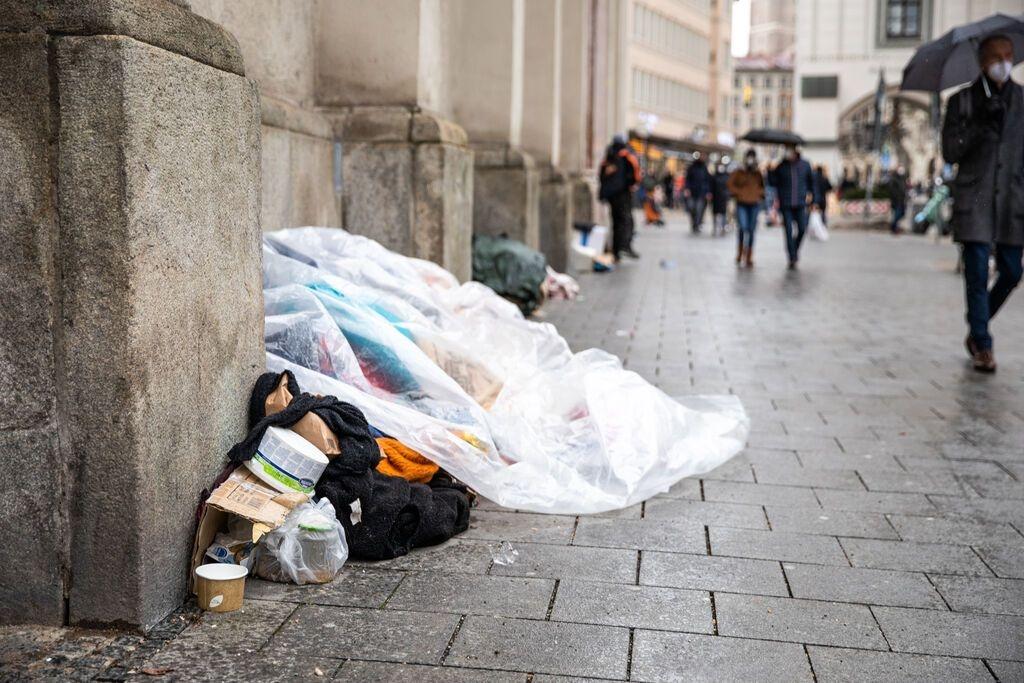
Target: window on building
<point x="767" y="81"/>
<point x="903" y="19"/>
<point x="766" y="101"/>
<point x="767" y="120"/>
<point x="785" y="82"/>
<point x="736" y="82"/>
<point x="819" y="87"/>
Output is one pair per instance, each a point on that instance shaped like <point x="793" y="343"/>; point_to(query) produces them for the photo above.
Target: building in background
<point x="843" y="47"/>
<point x="763" y="93"/>
<point x="675" y="56"/>
<point x="772" y="27"/>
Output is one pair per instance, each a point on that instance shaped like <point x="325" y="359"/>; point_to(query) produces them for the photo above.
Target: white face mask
<point x="999" y="71"/>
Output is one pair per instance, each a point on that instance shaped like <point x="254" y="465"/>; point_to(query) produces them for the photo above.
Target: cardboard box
<point x="242" y="494"/>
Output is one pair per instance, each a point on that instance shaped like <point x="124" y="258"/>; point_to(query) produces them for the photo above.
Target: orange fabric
<point x="651" y="212"/>
<point x="401" y="461"/>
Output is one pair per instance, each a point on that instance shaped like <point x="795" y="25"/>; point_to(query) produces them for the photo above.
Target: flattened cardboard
<point x="242" y="494"/>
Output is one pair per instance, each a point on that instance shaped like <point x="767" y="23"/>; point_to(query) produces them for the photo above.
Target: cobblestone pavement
<point x="872" y="530"/>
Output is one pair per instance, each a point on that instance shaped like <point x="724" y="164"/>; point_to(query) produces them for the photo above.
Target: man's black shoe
<point x="631" y="254"/>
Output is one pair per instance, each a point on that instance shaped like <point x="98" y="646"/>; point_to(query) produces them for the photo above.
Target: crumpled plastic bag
<point x="309" y="547"/>
<point x="457" y="374"/>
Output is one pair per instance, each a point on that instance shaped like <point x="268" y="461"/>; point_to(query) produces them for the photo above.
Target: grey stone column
<point x="130" y="273"/>
<point x="407" y="171"/>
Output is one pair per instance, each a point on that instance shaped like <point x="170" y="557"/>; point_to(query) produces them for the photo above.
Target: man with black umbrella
<point x="982" y="133"/>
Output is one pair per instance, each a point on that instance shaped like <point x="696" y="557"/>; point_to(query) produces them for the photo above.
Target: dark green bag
<point x="510" y="268"/>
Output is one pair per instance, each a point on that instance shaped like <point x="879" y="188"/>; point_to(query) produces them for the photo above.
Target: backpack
<point x="613" y="179"/>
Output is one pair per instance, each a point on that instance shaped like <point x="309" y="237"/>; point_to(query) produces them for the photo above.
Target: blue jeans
<point x="746" y="216"/>
<point x="898" y="212"/>
<point x="983" y="303"/>
<point x="794" y="217"/>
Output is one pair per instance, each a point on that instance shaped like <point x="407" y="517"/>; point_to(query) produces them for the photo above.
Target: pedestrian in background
<point x="697" y="191"/>
<point x="982" y="133"/>
<point x="719" y="199"/>
<point x="746" y="184"/>
<point x="822" y="189"/>
<point x="793" y="180"/>
<point x="898" y="187"/>
<point x="668" y="186"/>
<point x="620" y="174"/>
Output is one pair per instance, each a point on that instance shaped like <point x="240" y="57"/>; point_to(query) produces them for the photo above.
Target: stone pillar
<point x="407" y="176"/>
<point x="542" y="121"/>
<point x="576" y="95"/>
<point x="277" y="40"/>
<point x="486" y="91"/>
<point x="131" y="328"/>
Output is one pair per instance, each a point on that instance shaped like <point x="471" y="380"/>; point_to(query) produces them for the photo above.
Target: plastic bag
<point x="309" y="547"/>
<point x="456" y="373"/>
<point x="816" y="225"/>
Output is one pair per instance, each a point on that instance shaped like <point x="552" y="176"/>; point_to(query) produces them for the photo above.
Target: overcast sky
<point x="740" y="28"/>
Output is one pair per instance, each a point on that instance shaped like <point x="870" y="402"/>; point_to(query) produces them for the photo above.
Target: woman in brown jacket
<point x="747" y="186"/>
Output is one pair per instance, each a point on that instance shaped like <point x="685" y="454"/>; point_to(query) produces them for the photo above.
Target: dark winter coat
<point x="720" y="193"/>
<point x="698" y="179"/>
<point x="986" y="139"/>
<point x="793" y="181"/>
<point x="620" y="172"/>
<point x="898" y="190"/>
<point x="822" y="186"/>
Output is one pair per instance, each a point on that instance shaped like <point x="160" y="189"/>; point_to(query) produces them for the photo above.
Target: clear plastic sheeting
<point x="456" y="373"/>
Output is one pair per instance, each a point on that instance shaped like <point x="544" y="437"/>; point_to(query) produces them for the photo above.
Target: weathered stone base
<point x="407" y="182"/>
<point x="555" y="217"/>
<point x="298" y="168"/>
<point x="506" y="194"/>
<point x="130" y="332"/>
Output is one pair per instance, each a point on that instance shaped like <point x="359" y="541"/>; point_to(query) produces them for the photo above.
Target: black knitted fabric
<point x="394" y="515"/>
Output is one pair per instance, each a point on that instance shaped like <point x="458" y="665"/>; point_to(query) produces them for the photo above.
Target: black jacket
<point x="719" y="193"/>
<point x="698" y="179"/>
<point x="985" y="138"/>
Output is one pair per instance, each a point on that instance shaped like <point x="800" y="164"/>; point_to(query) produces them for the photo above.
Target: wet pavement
<point x="871" y="530"/>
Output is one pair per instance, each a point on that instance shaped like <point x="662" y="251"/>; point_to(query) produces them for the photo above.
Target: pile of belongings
<point x="559" y="286"/>
<point x="454" y="376"/>
<point x="512" y="269"/>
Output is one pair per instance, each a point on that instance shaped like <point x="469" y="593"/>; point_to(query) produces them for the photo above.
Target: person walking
<point x="794" y="182"/>
<point x="746" y="184"/>
<point x="697" y="191"/>
<point x="668" y="187"/>
<point x="982" y="134"/>
<point x="822" y="188"/>
<point x="719" y="200"/>
<point x="897" y="198"/>
<point x="620" y="173"/>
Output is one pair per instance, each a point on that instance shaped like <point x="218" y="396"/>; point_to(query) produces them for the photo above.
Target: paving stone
<point x="865" y="586"/>
<point x="736" y="469"/>
<point x="982" y="595"/>
<point x="800" y="621"/>
<point x="710" y="573"/>
<point x="352" y="587"/>
<point x="642" y="534"/>
<point x="921" y="481"/>
<point x="870" y="501"/>
<point x="937" y="558"/>
<point x="1007" y="672"/>
<point x="469" y="557"/>
<point x="848" y="461"/>
<point x="802" y="476"/>
<point x="519" y="526"/>
<point x="852" y="666"/>
<point x="686" y="488"/>
<point x="951" y="633"/>
<point x="1006" y="561"/>
<point x="706" y="513"/>
<point x="931" y="529"/>
<point x="829" y="522"/>
<point x="776" y="545"/>
<point x="758" y="494"/>
<point x="469" y="594"/>
<point x="653" y="607"/>
<point x="996" y="487"/>
<point x="984" y="509"/>
<point x="383" y="672"/>
<point x="660" y="656"/>
<point x="382" y="635"/>
<point x="541" y="646"/>
<point x="552" y="561"/>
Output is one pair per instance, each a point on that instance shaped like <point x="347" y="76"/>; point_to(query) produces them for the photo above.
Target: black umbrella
<point x="773" y="136"/>
<point x="952" y="59"/>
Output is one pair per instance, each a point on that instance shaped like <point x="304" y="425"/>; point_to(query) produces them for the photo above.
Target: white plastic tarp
<point x="456" y="372"/>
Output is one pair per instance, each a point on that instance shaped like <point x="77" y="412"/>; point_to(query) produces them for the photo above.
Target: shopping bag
<point x="817" y="226"/>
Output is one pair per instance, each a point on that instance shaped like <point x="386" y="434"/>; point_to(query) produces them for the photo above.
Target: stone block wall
<point x="130" y="268"/>
<point x="506" y="194"/>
